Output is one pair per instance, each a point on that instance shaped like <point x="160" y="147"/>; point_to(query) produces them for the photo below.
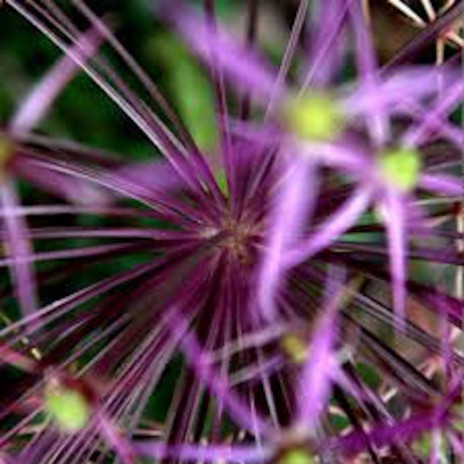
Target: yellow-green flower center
<point x="315" y="117"/>
<point x="294" y="348"/>
<point x="67" y="407"/>
<point x="296" y="456"/>
<point x="400" y="167"/>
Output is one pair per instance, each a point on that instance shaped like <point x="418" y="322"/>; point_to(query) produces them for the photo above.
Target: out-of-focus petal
<point x="332" y="228"/>
<point x="444" y="106"/>
<point x="339" y="156"/>
<point x="19" y="248"/>
<point x="326" y="42"/>
<point x="377" y="123"/>
<point x="115" y="439"/>
<point x="204" y="453"/>
<point x="292" y="205"/>
<point x="158" y="175"/>
<point x="318" y="372"/>
<point x="420" y="81"/>
<point x="397" y="243"/>
<point x="442" y="184"/>
<point x="216" y="383"/>
<point x="74" y="190"/>
<point x="241" y="65"/>
<point x="36" y="104"/>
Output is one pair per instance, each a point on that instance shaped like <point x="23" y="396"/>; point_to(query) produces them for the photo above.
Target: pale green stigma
<point x="296" y="456"/>
<point x="294" y="348"/>
<point x="67" y="407"/>
<point x="315" y="117"/>
<point x="401" y="167"/>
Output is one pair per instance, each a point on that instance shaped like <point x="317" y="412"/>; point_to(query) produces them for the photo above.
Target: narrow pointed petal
<point x="382" y="435"/>
<point x="288" y="55"/>
<point x="293" y="204"/>
<point x="36" y="104"/>
<point x="241" y="65"/>
<point x="338" y="156"/>
<point x="376" y="120"/>
<point x="136" y="109"/>
<point x="15" y="358"/>
<point x="420" y="81"/>
<point x="115" y="440"/>
<point x="397" y="243"/>
<point x="23" y="258"/>
<point x="442" y="184"/>
<point x="60" y="307"/>
<point x="119" y="185"/>
<point x="19" y="248"/>
<point x="331" y="229"/>
<point x="318" y="372"/>
<point x="444" y="106"/>
<point x="216" y="383"/>
<point x="321" y="367"/>
<point x="326" y="43"/>
<point x="74" y="190"/>
<point x="155" y="175"/>
<point x="204" y="453"/>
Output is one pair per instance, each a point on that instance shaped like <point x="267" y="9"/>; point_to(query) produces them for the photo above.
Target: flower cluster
<point x="288" y="289"/>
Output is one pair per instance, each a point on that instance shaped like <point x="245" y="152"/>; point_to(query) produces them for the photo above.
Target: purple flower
<point x="274" y="291"/>
<point x="387" y="167"/>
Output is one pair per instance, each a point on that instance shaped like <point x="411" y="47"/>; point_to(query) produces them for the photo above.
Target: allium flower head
<point x="246" y="288"/>
<point x="315" y="118"/>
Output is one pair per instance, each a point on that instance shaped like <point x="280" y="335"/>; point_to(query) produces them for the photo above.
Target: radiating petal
<point x="216" y="383"/>
<point x="326" y="42"/>
<point x="314" y="384"/>
<point x="397" y="243"/>
<point x="332" y="228"/>
<point x="241" y="65"/>
<point x="444" y="106"/>
<point x="292" y="206"/>
<point x="19" y="248"/>
<point x="442" y="184"/>
<point x="115" y="439"/>
<point x="376" y="120"/>
<point x="204" y="453"/>
<point x="36" y="104"/>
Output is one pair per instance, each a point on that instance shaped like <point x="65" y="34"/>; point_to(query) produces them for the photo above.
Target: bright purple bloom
<point x="375" y="163"/>
<point x="263" y="306"/>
